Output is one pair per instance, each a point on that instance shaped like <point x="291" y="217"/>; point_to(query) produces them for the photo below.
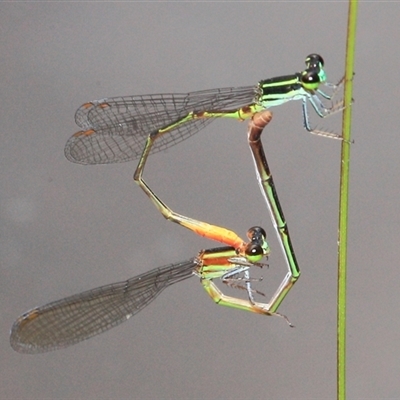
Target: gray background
<point x="66" y="228"/>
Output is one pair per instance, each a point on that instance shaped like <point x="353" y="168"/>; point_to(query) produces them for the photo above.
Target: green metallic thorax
<point x="216" y="262"/>
<point x="276" y="91"/>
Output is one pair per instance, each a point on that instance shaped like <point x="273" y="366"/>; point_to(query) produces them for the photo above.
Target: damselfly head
<point x="312" y="78"/>
<point x="254" y="252"/>
<point x="258" y="246"/>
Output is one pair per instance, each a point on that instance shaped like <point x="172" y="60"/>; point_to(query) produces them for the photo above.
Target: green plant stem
<point x="343" y="202"/>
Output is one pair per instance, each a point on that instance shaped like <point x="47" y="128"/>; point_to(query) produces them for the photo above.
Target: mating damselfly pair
<point x="125" y="128"/>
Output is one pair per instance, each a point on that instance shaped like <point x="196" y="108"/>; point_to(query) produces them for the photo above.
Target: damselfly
<point x="70" y="320"/>
<point x="115" y="129"/>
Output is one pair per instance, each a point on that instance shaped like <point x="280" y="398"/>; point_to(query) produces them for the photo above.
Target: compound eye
<point x="311" y="79"/>
<point x="256" y="233"/>
<point x="314" y="61"/>
<point x="254" y="252"/>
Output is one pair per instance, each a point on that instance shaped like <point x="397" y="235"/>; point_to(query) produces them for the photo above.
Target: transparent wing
<point x="65" y="322"/>
<point x="115" y="129"/>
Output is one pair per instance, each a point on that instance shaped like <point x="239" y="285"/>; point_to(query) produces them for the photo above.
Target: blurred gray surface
<point x="66" y="228"/>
